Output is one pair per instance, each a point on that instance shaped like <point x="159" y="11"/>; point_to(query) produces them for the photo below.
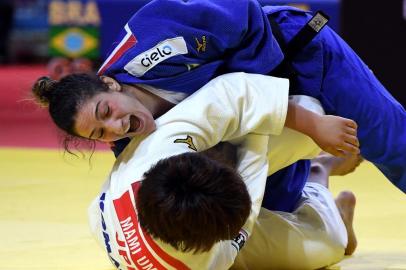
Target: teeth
<point x="134" y="123"/>
<point x="128" y="128"/>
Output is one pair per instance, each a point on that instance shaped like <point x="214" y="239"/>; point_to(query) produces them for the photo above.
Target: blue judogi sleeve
<point x="181" y="45"/>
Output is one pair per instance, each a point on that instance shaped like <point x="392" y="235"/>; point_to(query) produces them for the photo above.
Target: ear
<point x="112" y="84"/>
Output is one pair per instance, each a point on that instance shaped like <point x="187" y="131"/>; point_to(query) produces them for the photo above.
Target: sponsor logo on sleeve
<point x="166" y="49"/>
<point x="240" y="240"/>
<point x="201" y="45"/>
<point x="188" y="140"/>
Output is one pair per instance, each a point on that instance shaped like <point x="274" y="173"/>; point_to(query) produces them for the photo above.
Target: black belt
<point x="298" y="42"/>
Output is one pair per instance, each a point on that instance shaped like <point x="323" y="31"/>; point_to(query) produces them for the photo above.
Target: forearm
<point x="301" y="119"/>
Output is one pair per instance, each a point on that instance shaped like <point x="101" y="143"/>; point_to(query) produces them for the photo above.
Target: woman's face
<point x="113" y="115"/>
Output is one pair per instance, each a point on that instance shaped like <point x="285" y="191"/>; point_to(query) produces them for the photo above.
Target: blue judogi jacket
<point x="180" y="45"/>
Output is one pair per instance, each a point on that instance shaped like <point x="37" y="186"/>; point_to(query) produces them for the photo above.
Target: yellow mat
<point x="44" y="198"/>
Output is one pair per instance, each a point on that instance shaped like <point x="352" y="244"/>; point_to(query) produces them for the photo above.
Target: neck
<point x="224" y="153"/>
<point x="155" y="104"/>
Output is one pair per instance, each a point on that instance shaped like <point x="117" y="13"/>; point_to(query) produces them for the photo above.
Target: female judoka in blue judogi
<point x="180" y="45"/>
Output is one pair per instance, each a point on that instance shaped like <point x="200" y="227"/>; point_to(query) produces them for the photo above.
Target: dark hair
<point x="64" y="97"/>
<point x="191" y="202"/>
<point x="224" y="153"/>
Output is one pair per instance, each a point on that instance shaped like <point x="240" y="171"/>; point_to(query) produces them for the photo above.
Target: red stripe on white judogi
<point x="127" y="42"/>
<point x="137" y="251"/>
<point x="154" y="246"/>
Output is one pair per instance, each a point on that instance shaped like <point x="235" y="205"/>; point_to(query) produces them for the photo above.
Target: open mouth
<point x="135" y="124"/>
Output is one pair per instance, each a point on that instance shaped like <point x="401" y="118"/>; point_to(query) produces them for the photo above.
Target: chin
<point x="151" y="129"/>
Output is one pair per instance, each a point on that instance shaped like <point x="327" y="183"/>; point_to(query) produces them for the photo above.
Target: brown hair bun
<point x="42" y="90"/>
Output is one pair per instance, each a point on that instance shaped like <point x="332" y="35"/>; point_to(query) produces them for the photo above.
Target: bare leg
<point x="338" y="165"/>
<point x="319" y="173"/>
<point x="345" y="202"/>
<point x="321" y="168"/>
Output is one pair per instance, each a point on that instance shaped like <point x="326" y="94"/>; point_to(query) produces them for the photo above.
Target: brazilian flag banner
<point x="73" y="42"/>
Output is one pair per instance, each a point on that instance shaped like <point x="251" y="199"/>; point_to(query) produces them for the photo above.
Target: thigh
<point x="311" y="237"/>
<point x="350" y="89"/>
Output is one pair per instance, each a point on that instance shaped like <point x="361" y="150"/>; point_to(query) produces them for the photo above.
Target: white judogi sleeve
<point x="227" y="108"/>
<point x="231" y="106"/>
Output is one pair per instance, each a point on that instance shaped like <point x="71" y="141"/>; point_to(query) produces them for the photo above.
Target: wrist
<point x="313" y="121"/>
<point x="302" y="120"/>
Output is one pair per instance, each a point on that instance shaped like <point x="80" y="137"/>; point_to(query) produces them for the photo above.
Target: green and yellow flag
<point x="74" y="42"/>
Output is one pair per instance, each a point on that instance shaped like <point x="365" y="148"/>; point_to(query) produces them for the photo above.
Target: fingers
<point x="341" y="152"/>
<point x="351" y="123"/>
<point x="347" y="144"/>
<point x="350" y="148"/>
<point x="350" y="131"/>
<point x="351" y="142"/>
<point x="351" y="139"/>
<point x="350" y="127"/>
<point x="335" y="151"/>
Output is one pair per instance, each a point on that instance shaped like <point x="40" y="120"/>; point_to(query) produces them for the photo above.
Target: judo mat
<point x="44" y="197"/>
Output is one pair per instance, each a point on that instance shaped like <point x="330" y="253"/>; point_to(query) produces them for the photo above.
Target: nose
<point x="115" y="126"/>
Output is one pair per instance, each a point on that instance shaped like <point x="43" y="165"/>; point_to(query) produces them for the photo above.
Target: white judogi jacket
<point x="240" y="104"/>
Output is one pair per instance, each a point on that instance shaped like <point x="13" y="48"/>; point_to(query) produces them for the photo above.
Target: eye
<point x="107" y="111"/>
<point x="101" y="134"/>
<point x="104" y="111"/>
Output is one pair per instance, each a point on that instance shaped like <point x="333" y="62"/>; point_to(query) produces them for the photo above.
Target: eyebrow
<point x="96" y="114"/>
<point x="91" y="135"/>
